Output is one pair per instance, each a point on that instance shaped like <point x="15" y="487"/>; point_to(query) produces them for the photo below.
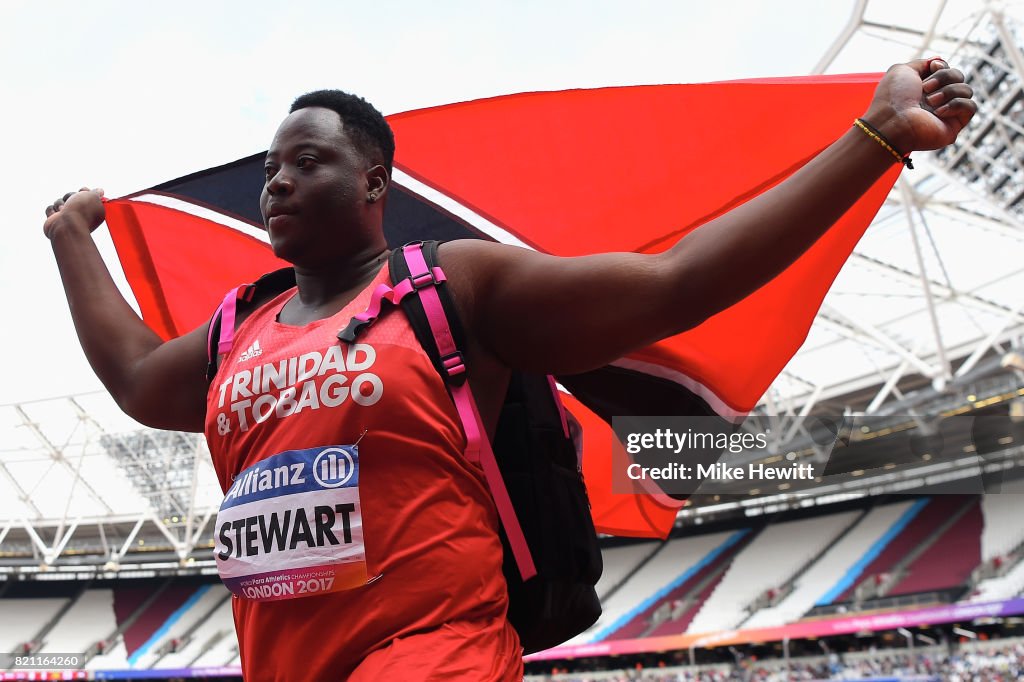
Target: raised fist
<point x="921" y="105"/>
<point x="82" y="210"/>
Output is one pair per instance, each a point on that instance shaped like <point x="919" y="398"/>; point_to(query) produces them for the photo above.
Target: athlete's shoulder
<point x="265" y="291"/>
<point x="471" y="266"/>
<point x="477" y="258"/>
<point x="476" y="248"/>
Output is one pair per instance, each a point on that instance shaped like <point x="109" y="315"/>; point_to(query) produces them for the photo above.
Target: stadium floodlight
<point x="161" y="465"/>
<point x="989" y="159"/>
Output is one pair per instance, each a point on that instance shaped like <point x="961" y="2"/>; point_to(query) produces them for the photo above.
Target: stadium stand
<point x="207" y="636"/>
<point x="984" y="661"/>
<point x="651" y="579"/>
<point x="110" y="655"/>
<point x="770" y="560"/>
<point x="1003" y="532"/>
<point x="620" y="562"/>
<point x="90" y="617"/>
<point x="220" y="652"/>
<point x="704" y="673"/>
<point x="838" y="566"/>
<point x="946" y="559"/>
<point x="139" y="624"/>
<point x="23" y="619"/>
<point x="927" y="517"/>
<point x="675" y="596"/>
<point x="685" y="601"/>
<point x="178" y="627"/>
<point x="1005" y="586"/>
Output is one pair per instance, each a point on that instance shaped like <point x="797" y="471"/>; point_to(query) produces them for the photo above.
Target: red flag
<point x="569" y="173"/>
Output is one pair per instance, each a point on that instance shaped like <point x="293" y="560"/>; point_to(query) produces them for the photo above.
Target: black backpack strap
<point x="551" y="557"/>
<point x="413" y="307"/>
<point x="221" y="336"/>
<point x="432" y="315"/>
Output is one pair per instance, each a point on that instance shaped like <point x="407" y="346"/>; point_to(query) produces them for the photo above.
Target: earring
<point x="371" y="197"/>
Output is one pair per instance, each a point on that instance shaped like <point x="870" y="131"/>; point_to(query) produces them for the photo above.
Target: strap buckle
<point x="246" y="293"/>
<point x="353" y="329"/>
<point x="423" y="280"/>
<point x="454" y="364"/>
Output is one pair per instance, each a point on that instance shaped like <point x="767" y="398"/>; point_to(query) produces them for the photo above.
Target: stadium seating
<point x="769" y="561"/>
<point x="175" y="629"/>
<point x="90" y="619"/>
<point x="1007" y="586"/>
<point x="619" y="562"/>
<point x="114" y="656"/>
<point x="650" y="581"/>
<point x="141" y="611"/>
<point x="982" y="661"/>
<point x="220" y="652"/>
<point x="948" y="561"/>
<point x="1003" y="532"/>
<point x="837" y="568"/>
<point x="667" y="603"/>
<point x="926" y="518"/>
<point x="686" y="600"/>
<point x="24" y="618"/>
<point x="207" y="636"/>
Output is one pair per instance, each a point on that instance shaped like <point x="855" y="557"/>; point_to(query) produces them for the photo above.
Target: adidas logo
<point x="253" y="351"/>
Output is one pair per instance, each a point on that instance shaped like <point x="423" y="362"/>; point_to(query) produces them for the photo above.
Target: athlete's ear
<point x="377" y="181"/>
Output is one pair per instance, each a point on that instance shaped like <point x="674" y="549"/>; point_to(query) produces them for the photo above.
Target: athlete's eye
<point x="305" y="162"/>
<point x="269" y="171"/>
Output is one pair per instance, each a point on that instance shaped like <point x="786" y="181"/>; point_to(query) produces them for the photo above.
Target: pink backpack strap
<point x="226" y="311"/>
<point x="478" y="446"/>
<point x="226" y="314"/>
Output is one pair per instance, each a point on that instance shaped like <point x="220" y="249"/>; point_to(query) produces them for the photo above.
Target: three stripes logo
<point x="334" y="467"/>
<point x="253" y="351"/>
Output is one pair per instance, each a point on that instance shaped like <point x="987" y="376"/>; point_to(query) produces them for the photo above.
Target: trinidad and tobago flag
<point x="569" y="173"/>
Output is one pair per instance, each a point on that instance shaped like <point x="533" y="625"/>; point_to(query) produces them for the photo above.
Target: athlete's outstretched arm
<point x="162" y="385"/>
<point x="539" y="312"/>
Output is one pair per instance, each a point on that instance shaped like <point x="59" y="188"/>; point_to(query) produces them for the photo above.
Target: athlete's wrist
<point x="892" y="126"/>
<point x="67" y="227"/>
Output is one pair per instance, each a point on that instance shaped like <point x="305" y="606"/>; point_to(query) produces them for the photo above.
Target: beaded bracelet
<point x="871" y="132"/>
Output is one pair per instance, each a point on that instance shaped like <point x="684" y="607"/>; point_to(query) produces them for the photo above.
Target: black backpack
<point x="535" y="447"/>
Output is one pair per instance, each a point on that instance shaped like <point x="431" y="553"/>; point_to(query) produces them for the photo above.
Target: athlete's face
<point x="314" y="201"/>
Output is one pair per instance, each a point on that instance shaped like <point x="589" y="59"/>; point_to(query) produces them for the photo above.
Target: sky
<point x="123" y="95"/>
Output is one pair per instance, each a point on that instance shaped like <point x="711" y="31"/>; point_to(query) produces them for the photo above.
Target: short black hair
<point x="361" y="121"/>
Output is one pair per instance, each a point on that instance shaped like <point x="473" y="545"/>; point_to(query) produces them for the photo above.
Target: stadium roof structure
<point x="932" y="301"/>
<point x="926" y="319"/>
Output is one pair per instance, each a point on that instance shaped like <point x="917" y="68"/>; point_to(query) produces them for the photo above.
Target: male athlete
<point x="420" y="594"/>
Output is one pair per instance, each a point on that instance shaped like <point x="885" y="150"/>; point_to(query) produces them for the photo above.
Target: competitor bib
<point x="291" y="526"/>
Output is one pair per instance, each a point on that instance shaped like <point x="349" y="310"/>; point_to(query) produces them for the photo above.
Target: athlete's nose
<point x="280" y="183"/>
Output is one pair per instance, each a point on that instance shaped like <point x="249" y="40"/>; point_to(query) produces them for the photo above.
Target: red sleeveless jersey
<point x="429" y="599"/>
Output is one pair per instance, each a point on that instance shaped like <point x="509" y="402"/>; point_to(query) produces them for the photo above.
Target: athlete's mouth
<point x="274" y="211"/>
